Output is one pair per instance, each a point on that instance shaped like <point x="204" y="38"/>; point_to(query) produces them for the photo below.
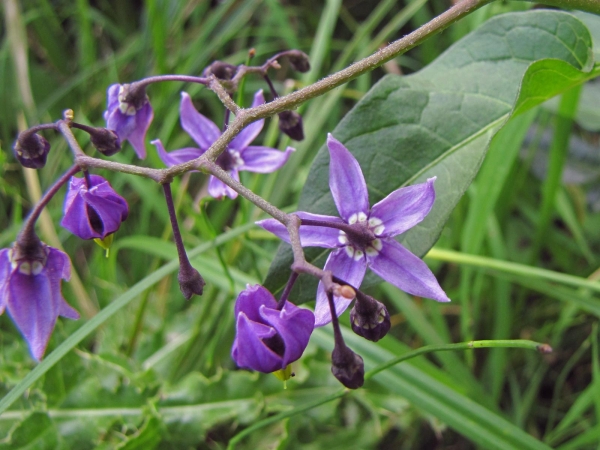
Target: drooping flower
<point x="30" y="290"/>
<point x="94" y="211"/>
<point x="268" y="339"/>
<point x="239" y="155"/>
<point x="129" y="114"/>
<point x="364" y="236"/>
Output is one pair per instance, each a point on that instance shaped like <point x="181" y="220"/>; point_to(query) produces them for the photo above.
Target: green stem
<point x="516" y="343"/>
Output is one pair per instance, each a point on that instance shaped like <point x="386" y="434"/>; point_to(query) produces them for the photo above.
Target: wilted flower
<point x="364" y="236"/>
<point x="239" y="155"/>
<point x="94" y="211"/>
<point x="267" y="338"/>
<point x="129" y="114"/>
<point x="30" y="290"/>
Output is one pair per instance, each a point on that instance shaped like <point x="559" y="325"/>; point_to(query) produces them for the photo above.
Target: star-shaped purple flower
<point x="30" y="291"/>
<point x="94" y="211"/>
<point x="268" y="339"/>
<point x="129" y="114"/>
<point x="240" y="155"/>
<point x="364" y="236"/>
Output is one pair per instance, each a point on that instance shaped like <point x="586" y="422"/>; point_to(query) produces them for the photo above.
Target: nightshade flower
<point x="95" y="211"/>
<point x="129" y="113"/>
<point x="30" y="291"/>
<point x="268" y="339"/>
<point x="364" y="236"/>
<point x="239" y="155"/>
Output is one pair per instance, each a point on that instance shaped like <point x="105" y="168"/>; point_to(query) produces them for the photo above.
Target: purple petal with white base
<point x="350" y="270"/>
<point x="175" y="157"/>
<point x="268" y="339"/>
<point x="398" y="266"/>
<point x="131" y="125"/>
<point x="309" y="236"/>
<point x="346" y="181"/>
<point x="30" y="291"/>
<point x="264" y="159"/>
<point x="405" y="207"/>
<point x="200" y="128"/>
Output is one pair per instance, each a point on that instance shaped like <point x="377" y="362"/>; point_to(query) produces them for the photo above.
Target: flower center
<point x="362" y="236"/>
<point x="32" y="264"/>
<point x="230" y="159"/>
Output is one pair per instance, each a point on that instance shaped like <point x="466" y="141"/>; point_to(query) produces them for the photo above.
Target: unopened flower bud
<point x="290" y="123"/>
<point x="221" y="70"/>
<point x="369" y="318"/>
<point x="190" y="282"/>
<point x="31" y="150"/>
<point x="298" y="60"/>
<point x="105" y="141"/>
<point x="347" y="367"/>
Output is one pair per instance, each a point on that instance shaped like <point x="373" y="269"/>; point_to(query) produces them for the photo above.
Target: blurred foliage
<point x="159" y="375"/>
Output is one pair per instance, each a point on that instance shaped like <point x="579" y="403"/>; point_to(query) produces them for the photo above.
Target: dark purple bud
<point x="221" y="70"/>
<point x="298" y="60"/>
<point x="31" y="150"/>
<point x="290" y="123"/>
<point x="190" y="281"/>
<point x="347" y="367"/>
<point x="369" y="318"/>
<point x="105" y="141"/>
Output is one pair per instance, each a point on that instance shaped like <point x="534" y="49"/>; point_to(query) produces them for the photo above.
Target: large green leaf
<point x="439" y="121"/>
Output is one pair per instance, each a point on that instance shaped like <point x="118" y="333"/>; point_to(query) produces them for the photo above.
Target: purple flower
<point x="129" y="114"/>
<point x="240" y="155"/>
<point x="30" y="291"/>
<point x="364" y="236"/>
<point x="94" y="211"/>
<point x="268" y="339"/>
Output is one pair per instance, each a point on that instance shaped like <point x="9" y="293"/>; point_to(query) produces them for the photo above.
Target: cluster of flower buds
<point x="31" y="271"/>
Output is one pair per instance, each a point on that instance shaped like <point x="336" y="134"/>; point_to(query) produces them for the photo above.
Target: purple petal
<point x="120" y="123"/>
<point x="398" y="266"/>
<point x="264" y="159"/>
<point x="309" y="236"/>
<point x="404" y="208"/>
<point x="111" y="213"/>
<point x="249" y="351"/>
<point x="5" y="269"/>
<point x="33" y="308"/>
<point x="112" y="100"/>
<point x="248" y="134"/>
<point x="137" y="137"/>
<point x="294" y="325"/>
<point x="76" y="218"/>
<point x="251" y="299"/>
<point x="346" y="181"/>
<point x="217" y="189"/>
<point x="200" y="128"/>
<point x="349" y="270"/>
<point x="176" y="156"/>
<point x="58" y="266"/>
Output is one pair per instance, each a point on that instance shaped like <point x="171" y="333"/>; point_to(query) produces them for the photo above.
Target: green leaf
<point x="439" y="121"/>
<point x="36" y="432"/>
